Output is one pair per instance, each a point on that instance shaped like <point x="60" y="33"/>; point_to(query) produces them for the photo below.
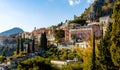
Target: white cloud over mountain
<point x="76" y="2"/>
<point x="73" y="2"/>
<point x="90" y="1"/>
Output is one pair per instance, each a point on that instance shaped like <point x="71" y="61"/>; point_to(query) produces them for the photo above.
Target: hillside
<point x="98" y="8"/>
<point x="11" y="32"/>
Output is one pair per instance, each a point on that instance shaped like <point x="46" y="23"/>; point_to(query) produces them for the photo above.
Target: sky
<point x="27" y="14"/>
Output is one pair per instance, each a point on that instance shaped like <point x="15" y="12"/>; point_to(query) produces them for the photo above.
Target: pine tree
<point x="115" y="35"/>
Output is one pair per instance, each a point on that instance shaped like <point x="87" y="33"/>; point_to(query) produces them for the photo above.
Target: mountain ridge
<point x="12" y="31"/>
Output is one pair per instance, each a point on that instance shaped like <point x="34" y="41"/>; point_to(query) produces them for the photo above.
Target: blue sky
<point x="28" y="14"/>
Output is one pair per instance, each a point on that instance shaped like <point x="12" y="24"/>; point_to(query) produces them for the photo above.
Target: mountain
<point x="11" y="32"/>
<point x="98" y="8"/>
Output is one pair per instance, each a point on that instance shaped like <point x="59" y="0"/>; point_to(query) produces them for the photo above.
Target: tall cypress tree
<point x="18" y="45"/>
<point x="3" y="53"/>
<point x="108" y="49"/>
<point x="104" y="59"/>
<point x="115" y="35"/>
<point x="22" y="47"/>
<point x="93" y="54"/>
<point x="33" y="45"/>
<point x="43" y="41"/>
<point x="28" y="49"/>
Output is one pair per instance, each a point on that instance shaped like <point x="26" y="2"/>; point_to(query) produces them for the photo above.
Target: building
<point x="7" y="41"/>
<point x="83" y="32"/>
<point x="82" y="44"/>
<point x="96" y="29"/>
<point x="104" y="21"/>
<point x="65" y="46"/>
<point x="27" y="35"/>
<point x="79" y="34"/>
<point x="37" y="32"/>
<point x="50" y="35"/>
<point x="58" y="62"/>
<point x="2" y="67"/>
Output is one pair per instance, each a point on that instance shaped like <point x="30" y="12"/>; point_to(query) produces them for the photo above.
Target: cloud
<point x="90" y="1"/>
<point x="73" y="2"/>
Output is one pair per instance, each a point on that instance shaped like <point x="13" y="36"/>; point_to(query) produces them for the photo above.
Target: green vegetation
<point x="33" y="45"/>
<point x="115" y="35"/>
<point x="36" y="63"/>
<point x="42" y="62"/>
<point x="102" y="56"/>
<point x="109" y="47"/>
<point x="18" y="46"/>
<point x="101" y="8"/>
<point x="22" y="47"/>
<point x="1" y="58"/>
<point x="55" y="54"/>
<point x="80" y="21"/>
<point x="76" y="66"/>
<point x="43" y="41"/>
<point x="59" y="34"/>
<point x="93" y="53"/>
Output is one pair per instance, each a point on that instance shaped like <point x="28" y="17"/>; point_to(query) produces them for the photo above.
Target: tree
<point x="18" y="46"/>
<point x="93" y="53"/>
<point x="1" y="58"/>
<point x="22" y="48"/>
<point x="115" y="35"/>
<point x="104" y="56"/>
<point x="33" y="45"/>
<point x="59" y="34"/>
<point x="28" y="49"/>
<point x="3" y="53"/>
<point x="109" y="48"/>
<point x="80" y="21"/>
<point x="43" y="41"/>
<point x="36" y="63"/>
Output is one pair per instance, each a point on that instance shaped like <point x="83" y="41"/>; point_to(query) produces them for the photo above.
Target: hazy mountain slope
<point x="11" y="31"/>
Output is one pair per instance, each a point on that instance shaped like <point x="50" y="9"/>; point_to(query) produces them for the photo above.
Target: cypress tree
<point x="115" y="35"/>
<point x="104" y="56"/>
<point x="33" y="45"/>
<point x="43" y="41"/>
<point x="93" y="54"/>
<point x="22" y="48"/>
<point x="3" y="53"/>
<point x="109" y="48"/>
<point x="18" y="46"/>
<point x="28" y="49"/>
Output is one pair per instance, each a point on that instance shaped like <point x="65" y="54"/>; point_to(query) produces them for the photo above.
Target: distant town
<point x="74" y="35"/>
<point x="88" y="42"/>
